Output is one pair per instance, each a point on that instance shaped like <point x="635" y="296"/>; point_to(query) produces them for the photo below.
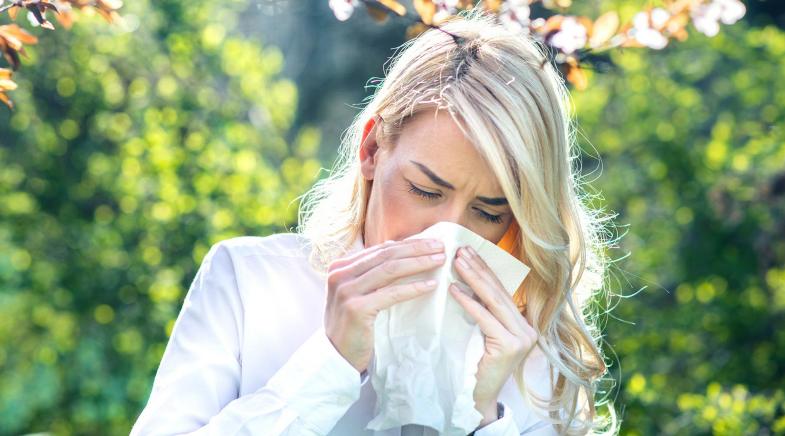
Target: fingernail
<point x="436" y="244"/>
<point x="470" y="251"/>
<point x="438" y="257"/>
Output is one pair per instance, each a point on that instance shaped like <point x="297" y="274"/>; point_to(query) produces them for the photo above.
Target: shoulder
<point x="292" y="245"/>
<point x="246" y="261"/>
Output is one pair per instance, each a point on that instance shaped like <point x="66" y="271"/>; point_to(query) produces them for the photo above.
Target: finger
<point x="489" y="325"/>
<point x="520" y="324"/>
<point x="391" y="250"/>
<point x="352" y="257"/>
<point x="466" y="290"/>
<point x="393" y="294"/>
<point x="388" y="272"/>
<point x="476" y="273"/>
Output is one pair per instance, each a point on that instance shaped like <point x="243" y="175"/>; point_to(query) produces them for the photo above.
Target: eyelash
<point x="496" y="219"/>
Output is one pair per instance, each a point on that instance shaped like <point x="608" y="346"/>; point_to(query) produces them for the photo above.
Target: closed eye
<point x="496" y="219"/>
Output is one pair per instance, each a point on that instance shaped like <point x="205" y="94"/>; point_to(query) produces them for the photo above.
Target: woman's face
<point x="433" y="173"/>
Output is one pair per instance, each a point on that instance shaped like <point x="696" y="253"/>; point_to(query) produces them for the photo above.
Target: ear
<point x="369" y="148"/>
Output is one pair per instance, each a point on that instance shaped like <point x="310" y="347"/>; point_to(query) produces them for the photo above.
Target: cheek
<point x="394" y="199"/>
<point x="401" y="210"/>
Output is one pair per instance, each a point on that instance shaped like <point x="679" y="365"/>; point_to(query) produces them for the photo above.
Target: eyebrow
<point x="493" y="201"/>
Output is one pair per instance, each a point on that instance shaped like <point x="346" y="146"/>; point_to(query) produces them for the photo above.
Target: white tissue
<point x="426" y="350"/>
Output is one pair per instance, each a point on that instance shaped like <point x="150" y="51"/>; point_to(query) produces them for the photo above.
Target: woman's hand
<point x="508" y="334"/>
<point x="358" y="288"/>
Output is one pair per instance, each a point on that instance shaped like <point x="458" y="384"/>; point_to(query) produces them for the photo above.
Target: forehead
<point x="434" y="139"/>
<point x="434" y="135"/>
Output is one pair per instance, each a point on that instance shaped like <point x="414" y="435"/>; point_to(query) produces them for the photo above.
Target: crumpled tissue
<point x="426" y="350"/>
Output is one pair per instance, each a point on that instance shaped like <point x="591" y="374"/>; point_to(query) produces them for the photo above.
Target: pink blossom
<point x="343" y="9"/>
<point x="707" y="17"/>
<point x="571" y="36"/>
<point x="659" y="17"/>
<point x="515" y="15"/>
<point x="646" y="28"/>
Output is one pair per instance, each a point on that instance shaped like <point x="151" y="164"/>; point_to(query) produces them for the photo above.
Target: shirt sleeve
<point x="518" y="418"/>
<point x="196" y="386"/>
<point x="505" y="426"/>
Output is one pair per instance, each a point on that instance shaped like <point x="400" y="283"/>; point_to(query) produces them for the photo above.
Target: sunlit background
<point x="132" y="148"/>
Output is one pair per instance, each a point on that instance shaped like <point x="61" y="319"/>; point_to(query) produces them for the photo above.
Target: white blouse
<point x="248" y="355"/>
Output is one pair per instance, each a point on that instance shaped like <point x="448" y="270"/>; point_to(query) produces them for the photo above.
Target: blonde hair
<point x="517" y="112"/>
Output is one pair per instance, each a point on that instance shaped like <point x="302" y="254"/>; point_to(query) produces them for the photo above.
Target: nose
<point x="453" y="215"/>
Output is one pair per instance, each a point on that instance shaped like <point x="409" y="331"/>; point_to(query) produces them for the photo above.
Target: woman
<point x="276" y="333"/>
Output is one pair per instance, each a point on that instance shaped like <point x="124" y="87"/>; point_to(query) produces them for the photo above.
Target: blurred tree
<point x="330" y="61"/>
<point x="133" y="149"/>
<point x="765" y="12"/>
<point x="570" y="39"/>
<point x="13" y="38"/>
<point x="130" y="152"/>
<point x="693" y="152"/>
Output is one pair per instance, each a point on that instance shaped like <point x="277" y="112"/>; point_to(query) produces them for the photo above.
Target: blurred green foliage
<point x="692" y="141"/>
<point x="132" y="150"/>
